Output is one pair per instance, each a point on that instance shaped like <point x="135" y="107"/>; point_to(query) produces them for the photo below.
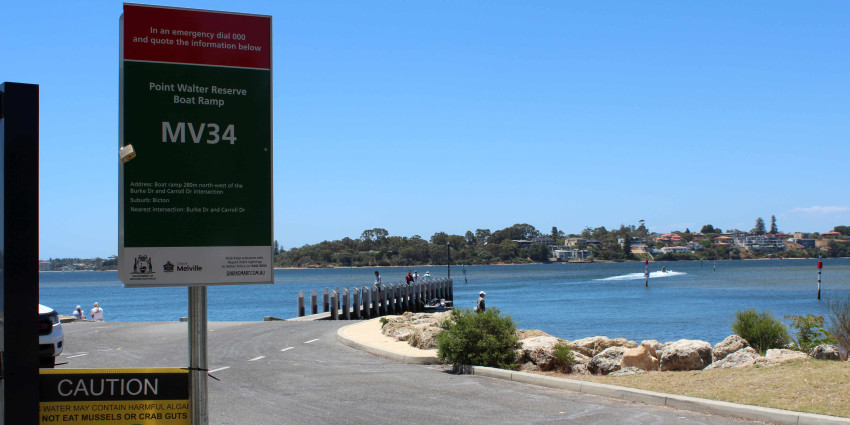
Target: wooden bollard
<point x="379" y="295"/>
<point x="391" y="299"/>
<point x="376" y="301"/>
<point x="338" y="297"/>
<point x="300" y="303"/>
<point x="385" y="306"/>
<point x="357" y="303"/>
<point x="326" y="305"/>
<point x="366" y="299"/>
<point x="346" y="311"/>
<point x="413" y="296"/>
<point x="334" y="303"/>
<point x="314" y="303"/>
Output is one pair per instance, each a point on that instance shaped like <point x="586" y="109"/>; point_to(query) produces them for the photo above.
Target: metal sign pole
<point x="198" y="400"/>
<point x="19" y="124"/>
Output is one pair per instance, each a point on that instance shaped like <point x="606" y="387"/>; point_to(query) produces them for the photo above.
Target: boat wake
<point x="639" y="276"/>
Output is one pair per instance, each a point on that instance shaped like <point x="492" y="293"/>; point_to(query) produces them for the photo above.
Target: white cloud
<point x="820" y="210"/>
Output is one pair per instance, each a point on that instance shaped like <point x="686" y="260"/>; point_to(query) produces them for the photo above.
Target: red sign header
<point x="161" y="34"/>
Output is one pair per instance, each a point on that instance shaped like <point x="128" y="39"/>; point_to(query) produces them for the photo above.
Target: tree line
<point x="376" y="247"/>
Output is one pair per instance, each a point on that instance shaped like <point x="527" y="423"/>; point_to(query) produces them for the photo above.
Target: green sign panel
<point x="196" y="199"/>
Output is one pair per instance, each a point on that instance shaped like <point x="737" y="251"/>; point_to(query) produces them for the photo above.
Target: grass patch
<point x="812" y="386"/>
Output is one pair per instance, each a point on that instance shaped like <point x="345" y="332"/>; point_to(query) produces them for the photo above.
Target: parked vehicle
<point x="51" y="339"/>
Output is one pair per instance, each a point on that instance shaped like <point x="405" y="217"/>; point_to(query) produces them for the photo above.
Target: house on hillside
<point x="804" y="243"/>
<point x="544" y="240"/>
<point x="44" y="266"/>
<point x="640" y="249"/>
<point x="669" y="238"/>
<point x="571" y="242"/>
<point x="722" y="241"/>
<point x="760" y="243"/>
<point x="675" y="250"/>
<point x="572" y="254"/>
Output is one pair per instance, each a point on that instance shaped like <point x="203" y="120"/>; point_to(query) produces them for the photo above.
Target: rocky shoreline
<point x="600" y="355"/>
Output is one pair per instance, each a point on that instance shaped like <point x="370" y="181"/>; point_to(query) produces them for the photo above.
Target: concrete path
<point x="298" y="373"/>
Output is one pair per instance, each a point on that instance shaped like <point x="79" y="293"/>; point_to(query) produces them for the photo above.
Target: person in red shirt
<point x="408" y="278"/>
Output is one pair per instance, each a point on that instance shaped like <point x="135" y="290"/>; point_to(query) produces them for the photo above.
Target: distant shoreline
<point x="476" y="265"/>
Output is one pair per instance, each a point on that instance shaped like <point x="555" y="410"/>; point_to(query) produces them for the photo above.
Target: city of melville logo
<point x="142" y="265"/>
<point x="186" y="267"/>
<point x="168" y="267"/>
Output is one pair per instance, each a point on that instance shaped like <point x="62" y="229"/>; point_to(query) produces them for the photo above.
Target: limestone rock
<point x="424" y="337"/>
<point x="607" y="361"/>
<point x="825" y="352"/>
<point x="597" y="344"/>
<point x="430" y="319"/>
<point x="626" y="371"/>
<point x="580" y="358"/>
<point x="539" y="350"/>
<point x="652" y="346"/>
<point x="529" y="367"/>
<point x="398" y="330"/>
<point x="686" y="354"/>
<point x="731" y="344"/>
<point x="418" y="329"/>
<point x="640" y="358"/>
<point x="622" y="342"/>
<point x="580" y="369"/>
<point x="529" y="333"/>
<point x="587" y="346"/>
<point x="744" y="357"/>
<point x="780" y="355"/>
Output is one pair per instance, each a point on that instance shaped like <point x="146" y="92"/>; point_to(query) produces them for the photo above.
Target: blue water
<point x="570" y="301"/>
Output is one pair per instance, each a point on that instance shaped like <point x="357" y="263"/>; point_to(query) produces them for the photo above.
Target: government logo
<point x="142" y="265"/>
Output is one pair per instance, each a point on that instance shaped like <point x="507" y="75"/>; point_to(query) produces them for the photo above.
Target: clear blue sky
<point x="420" y="117"/>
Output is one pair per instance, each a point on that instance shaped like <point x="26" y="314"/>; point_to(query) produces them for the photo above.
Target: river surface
<point x="692" y="300"/>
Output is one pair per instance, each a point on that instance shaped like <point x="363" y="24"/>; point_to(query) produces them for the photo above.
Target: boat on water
<point x="438" y="305"/>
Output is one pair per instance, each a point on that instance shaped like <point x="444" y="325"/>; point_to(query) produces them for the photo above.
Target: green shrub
<point x="839" y="323"/>
<point x="482" y="339"/>
<point x="810" y="332"/>
<point x="384" y="322"/>
<point x="761" y="330"/>
<point x="564" y="358"/>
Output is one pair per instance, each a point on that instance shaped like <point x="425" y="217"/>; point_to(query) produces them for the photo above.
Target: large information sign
<point x="196" y="199"/>
<point x="113" y="396"/>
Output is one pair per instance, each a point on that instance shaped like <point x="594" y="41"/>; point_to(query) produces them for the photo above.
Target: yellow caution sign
<point x="157" y="396"/>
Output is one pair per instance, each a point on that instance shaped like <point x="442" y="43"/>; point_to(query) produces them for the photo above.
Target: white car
<point x="50" y="337"/>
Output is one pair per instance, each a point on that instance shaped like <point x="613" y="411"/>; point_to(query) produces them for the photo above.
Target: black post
<point x="449" y="258"/>
<point x="19" y="254"/>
